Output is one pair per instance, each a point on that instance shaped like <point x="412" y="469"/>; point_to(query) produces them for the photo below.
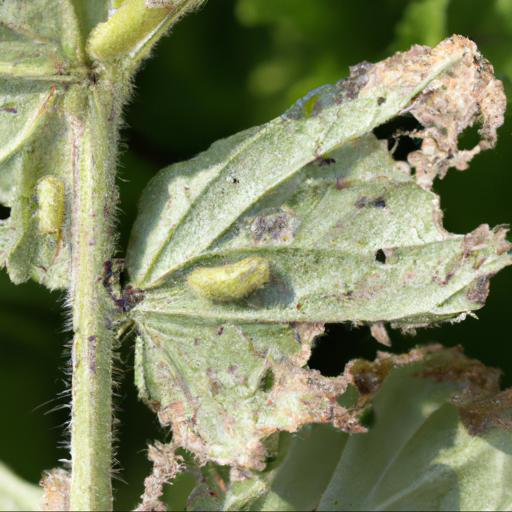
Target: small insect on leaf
<point x="50" y="199"/>
<point x="230" y="282"/>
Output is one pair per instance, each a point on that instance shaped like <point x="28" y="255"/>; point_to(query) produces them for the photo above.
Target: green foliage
<point x="241" y="254"/>
<point x="41" y="59"/>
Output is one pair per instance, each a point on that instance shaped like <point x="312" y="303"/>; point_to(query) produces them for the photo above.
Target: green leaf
<point x="92" y="12"/>
<point x="245" y="251"/>
<point x="440" y="440"/>
<point x="235" y="176"/>
<point x="37" y="46"/>
<point x="16" y="494"/>
<point x="40" y="150"/>
<point x="41" y="60"/>
<point x="343" y="243"/>
<point x="48" y="96"/>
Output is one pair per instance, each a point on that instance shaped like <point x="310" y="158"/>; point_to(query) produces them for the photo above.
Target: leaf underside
<point x="43" y="85"/>
<point x="349" y="234"/>
<point x="50" y="94"/>
<point x="440" y="440"/>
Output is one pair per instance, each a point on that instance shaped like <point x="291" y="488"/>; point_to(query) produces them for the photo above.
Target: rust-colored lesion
<point x="451" y="365"/>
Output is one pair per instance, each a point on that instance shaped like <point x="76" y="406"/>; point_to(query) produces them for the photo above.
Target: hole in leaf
<point x="5" y="212"/>
<point x="379" y="202"/>
<point x="124" y="278"/>
<point x="267" y="381"/>
<point x="380" y="256"/>
<point x="395" y="132"/>
<point x="367" y="418"/>
<point x="469" y="138"/>
<point x="340" y="344"/>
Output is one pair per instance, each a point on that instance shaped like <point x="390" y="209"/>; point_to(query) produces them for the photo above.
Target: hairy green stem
<point x="94" y="120"/>
<point x="93" y="107"/>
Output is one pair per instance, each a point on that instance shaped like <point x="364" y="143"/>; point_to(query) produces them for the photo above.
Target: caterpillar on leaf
<point x="230" y="282"/>
<point x="50" y="199"/>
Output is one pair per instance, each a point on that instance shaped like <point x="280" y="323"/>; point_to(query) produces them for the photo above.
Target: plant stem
<point x="93" y="118"/>
<point x="115" y="48"/>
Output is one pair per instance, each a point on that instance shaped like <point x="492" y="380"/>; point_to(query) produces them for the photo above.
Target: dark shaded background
<point x="235" y="64"/>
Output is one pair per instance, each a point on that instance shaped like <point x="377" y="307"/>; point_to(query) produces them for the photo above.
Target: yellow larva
<point x="50" y="199"/>
<point x="230" y="282"/>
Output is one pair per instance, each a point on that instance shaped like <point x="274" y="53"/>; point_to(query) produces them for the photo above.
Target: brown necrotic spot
<point x="364" y="201"/>
<point x="479" y="291"/>
<point x="275" y="227"/>
<point x="367" y="382"/>
<point x="488" y="413"/>
<point x="348" y="89"/>
<point x="361" y="202"/>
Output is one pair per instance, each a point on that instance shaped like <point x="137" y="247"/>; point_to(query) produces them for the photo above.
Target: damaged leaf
<point x="166" y="465"/>
<point x="421" y="452"/>
<point x="191" y="205"/>
<point x="225" y="387"/>
<point x="347" y="234"/>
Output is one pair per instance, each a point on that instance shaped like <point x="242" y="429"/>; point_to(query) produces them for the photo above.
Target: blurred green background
<point x="234" y="64"/>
